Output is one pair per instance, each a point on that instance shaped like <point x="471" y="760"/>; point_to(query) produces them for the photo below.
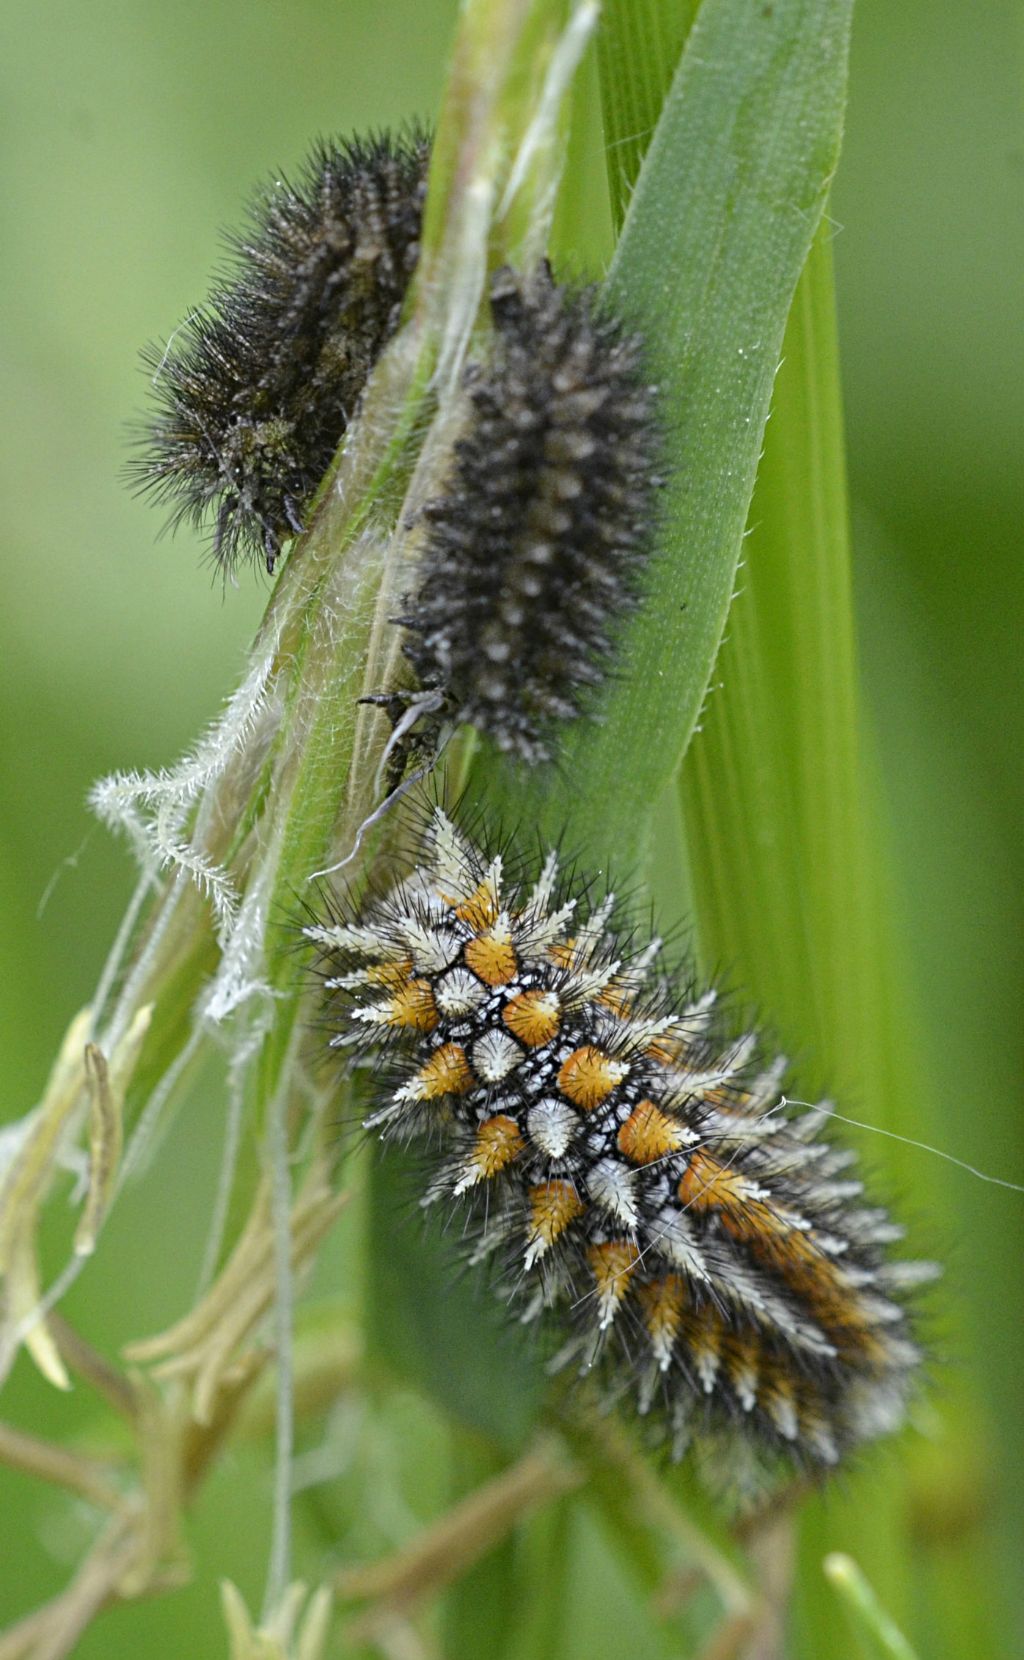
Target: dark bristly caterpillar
<point x="254" y="391"/>
<point x="638" y="1183"/>
<point x="534" y="549"/>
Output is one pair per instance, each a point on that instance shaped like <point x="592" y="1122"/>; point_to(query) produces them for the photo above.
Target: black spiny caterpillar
<point x="638" y="1182"/>
<point x="255" y="391"/>
<point x="534" y="550"/>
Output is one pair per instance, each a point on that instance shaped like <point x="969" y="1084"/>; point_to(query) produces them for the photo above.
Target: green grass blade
<point x="785" y="883"/>
<point x="432" y="1323"/>
<point x="717" y="231"/>
<point x="771" y="793"/>
<point x="638" y="48"/>
<point x="792" y="886"/>
<point x="776" y="893"/>
<point x="883" y="1639"/>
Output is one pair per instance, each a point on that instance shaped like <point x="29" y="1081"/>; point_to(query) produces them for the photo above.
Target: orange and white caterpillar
<point x="641" y="1186"/>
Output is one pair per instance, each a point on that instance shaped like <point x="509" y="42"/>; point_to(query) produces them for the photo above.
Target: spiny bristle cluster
<point x="255" y="391"/>
<point x="534" y="550"/>
<point x="638" y="1182"/>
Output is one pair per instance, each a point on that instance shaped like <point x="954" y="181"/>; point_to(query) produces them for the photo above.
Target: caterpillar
<point x="255" y="390"/>
<point x="535" y="546"/>
<point x="634" y="1178"/>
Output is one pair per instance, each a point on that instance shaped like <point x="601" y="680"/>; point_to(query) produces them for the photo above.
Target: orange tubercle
<point x="742" y="1353"/>
<point x="618" y="999"/>
<point x="498" y="1142"/>
<point x="612" y="1265"/>
<point x="533" y="1017"/>
<point x="663" y="1302"/>
<point x="667" y="1051"/>
<point x="391" y="975"/>
<point x="491" y="956"/>
<point x="789" y="1251"/>
<point x="588" y="1076"/>
<point x="708" y="1185"/>
<point x="413" y="1006"/>
<point x="446" y="1073"/>
<point x="777" y="1395"/>
<point x="481" y="908"/>
<point x="553" y="1206"/>
<point x="649" y="1134"/>
<point x="703" y="1333"/>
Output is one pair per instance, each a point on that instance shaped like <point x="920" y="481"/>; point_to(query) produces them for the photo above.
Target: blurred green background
<point x="131" y="133"/>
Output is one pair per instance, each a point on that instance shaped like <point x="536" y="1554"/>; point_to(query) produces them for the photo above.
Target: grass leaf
<point x="437" y="1325"/>
<point x="884" y="1639"/>
<point x="717" y="231"/>
<point x="638" y="48"/>
<point x="791" y="876"/>
<point x="772" y="793"/>
<point x="787" y="880"/>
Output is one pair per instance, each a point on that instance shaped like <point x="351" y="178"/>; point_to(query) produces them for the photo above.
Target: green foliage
<point x="718" y="228"/>
<point x="832" y="866"/>
<point x="876" y="1630"/>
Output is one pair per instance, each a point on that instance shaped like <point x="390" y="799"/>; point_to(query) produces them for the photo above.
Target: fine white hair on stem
<point x="122" y="799"/>
<point x="240" y="973"/>
<point x="239" y="981"/>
